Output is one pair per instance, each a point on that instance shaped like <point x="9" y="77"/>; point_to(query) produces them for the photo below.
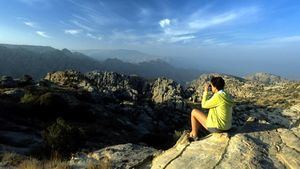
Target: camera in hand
<point x="209" y="87"/>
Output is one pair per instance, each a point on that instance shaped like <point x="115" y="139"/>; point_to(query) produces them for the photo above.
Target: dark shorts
<point x="216" y="130"/>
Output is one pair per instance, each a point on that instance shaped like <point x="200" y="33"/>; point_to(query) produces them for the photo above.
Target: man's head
<point x="217" y="83"/>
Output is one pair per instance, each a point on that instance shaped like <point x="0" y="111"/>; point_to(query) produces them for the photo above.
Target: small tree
<point x="63" y="138"/>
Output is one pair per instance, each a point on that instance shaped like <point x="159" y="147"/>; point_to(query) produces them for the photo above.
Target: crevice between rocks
<point x="223" y="154"/>
<point x="288" y="145"/>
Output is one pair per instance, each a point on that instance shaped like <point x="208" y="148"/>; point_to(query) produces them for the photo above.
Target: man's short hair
<point x="218" y="82"/>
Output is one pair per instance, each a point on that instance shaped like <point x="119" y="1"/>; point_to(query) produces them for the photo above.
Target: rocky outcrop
<point x="109" y="84"/>
<point x="265" y="78"/>
<point x="119" y="156"/>
<point x="70" y="78"/>
<point x="111" y="108"/>
<point x="258" y="143"/>
<point x="123" y="86"/>
<point x="169" y="92"/>
<point x="236" y="86"/>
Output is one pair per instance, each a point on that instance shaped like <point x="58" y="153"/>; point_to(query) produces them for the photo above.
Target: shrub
<point x="29" y="98"/>
<point x="51" y="100"/>
<point x="63" y="137"/>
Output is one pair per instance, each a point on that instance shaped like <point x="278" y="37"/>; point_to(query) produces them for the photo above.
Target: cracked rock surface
<point x="257" y="144"/>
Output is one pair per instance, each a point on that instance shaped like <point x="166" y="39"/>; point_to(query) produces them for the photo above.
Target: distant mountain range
<point x="17" y="60"/>
<point x="125" y="55"/>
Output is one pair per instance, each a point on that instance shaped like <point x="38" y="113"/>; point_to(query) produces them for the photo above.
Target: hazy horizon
<point x="231" y="37"/>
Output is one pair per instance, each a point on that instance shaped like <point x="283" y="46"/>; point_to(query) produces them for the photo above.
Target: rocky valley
<point x="112" y="120"/>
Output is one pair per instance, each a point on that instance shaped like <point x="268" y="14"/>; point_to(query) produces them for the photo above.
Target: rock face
<point x="110" y="84"/>
<point x="167" y="91"/>
<point x="122" y="86"/>
<point x="260" y="142"/>
<point x="70" y="78"/>
<point x="118" y="157"/>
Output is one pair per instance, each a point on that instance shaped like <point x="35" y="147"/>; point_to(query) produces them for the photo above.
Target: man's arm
<point x="209" y="103"/>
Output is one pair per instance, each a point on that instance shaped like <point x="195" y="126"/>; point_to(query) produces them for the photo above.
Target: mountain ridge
<point x="38" y="60"/>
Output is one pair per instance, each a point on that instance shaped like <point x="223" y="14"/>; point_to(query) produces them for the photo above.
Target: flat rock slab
<point x="118" y="156"/>
<point x="204" y="153"/>
<point x="270" y="148"/>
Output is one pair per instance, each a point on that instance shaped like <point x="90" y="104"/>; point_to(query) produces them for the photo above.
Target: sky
<point x="236" y="37"/>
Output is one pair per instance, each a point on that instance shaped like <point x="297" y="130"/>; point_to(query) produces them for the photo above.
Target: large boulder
<point x="121" y="156"/>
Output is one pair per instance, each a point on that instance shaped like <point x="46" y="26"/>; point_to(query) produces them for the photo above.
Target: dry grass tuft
<point x="11" y="159"/>
<point x="30" y="164"/>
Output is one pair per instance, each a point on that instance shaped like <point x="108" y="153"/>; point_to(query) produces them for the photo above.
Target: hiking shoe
<point x="191" y="139"/>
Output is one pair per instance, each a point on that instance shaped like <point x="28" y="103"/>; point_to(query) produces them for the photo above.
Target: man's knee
<point x="194" y="111"/>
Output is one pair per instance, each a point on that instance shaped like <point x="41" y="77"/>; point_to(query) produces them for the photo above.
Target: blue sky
<point x="191" y="29"/>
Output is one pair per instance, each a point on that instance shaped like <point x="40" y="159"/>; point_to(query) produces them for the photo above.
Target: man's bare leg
<point x="197" y="118"/>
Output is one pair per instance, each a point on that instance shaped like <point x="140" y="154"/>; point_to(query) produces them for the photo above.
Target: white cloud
<point x="43" y="34"/>
<point x="164" y="22"/>
<point x="181" y="38"/>
<point x="82" y="26"/>
<point x="93" y="36"/>
<point x="216" y="20"/>
<point x="176" y="29"/>
<point x="72" y="31"/>
<point x="80" y="18"/>
<point x="30" y="24"/>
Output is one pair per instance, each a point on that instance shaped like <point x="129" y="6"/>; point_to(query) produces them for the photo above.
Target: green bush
<point x="29" y="98"/>
<point x="63" y="137"/>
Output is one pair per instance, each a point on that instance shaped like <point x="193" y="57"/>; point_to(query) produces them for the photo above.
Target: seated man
<point x="220" y="109"/>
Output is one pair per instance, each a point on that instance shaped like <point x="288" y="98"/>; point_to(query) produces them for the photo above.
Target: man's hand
<point x="206" y="87"/>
